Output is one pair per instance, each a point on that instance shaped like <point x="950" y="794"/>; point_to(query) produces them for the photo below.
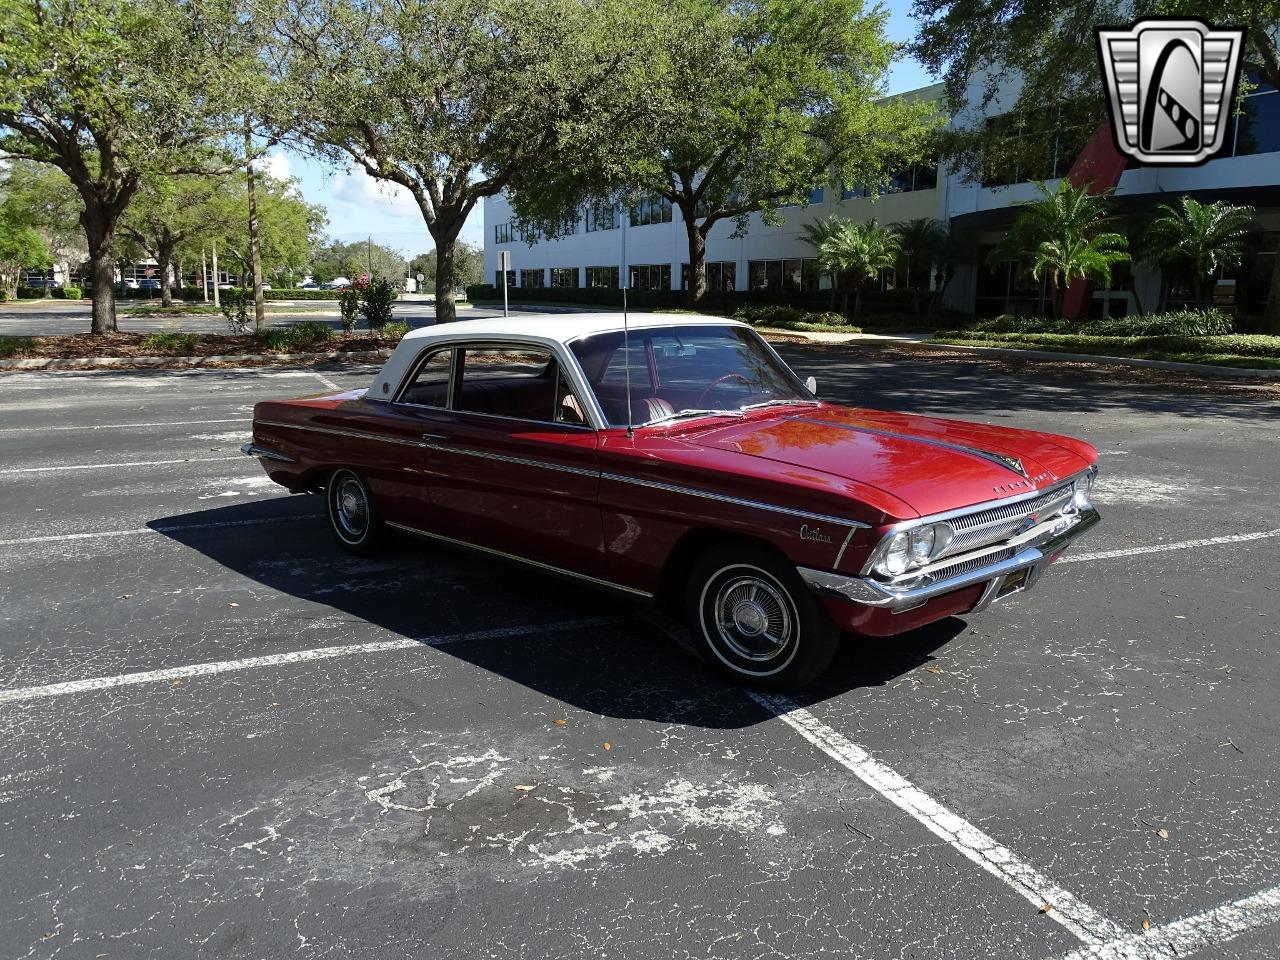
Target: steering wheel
<point x="724" y="378"/>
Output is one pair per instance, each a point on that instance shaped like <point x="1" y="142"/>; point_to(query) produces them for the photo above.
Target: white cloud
<point x="274" y="165"/>
<point x="357" y="188"/>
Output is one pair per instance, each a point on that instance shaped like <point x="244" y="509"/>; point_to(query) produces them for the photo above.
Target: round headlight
<point x="923" y="541"/>
<point x="897" y="554"/>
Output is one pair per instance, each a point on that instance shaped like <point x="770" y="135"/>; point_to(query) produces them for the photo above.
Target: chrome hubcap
<point x="352" y="509"/>
<point x="753" y="618"/>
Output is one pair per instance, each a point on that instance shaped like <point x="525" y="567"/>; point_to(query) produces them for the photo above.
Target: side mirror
<point x="812" y="384"/>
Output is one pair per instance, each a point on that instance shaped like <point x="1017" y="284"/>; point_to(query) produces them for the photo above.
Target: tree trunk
<point x="697" y="257"/>
<point x="255" y="247"/>
<point x="1198" y="286"/>
<point x="164" y="260"/>
<point x="102" y="264"/>
<point x="1271" y="313"/>
<point x="446" y="310"/>
<point x="857" y="302"/>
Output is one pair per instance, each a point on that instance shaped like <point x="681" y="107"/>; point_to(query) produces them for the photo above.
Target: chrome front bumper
<point x="1033" y="550"/>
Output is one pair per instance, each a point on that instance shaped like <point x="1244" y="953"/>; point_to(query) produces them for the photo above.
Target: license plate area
<point x="1014" y="582"/>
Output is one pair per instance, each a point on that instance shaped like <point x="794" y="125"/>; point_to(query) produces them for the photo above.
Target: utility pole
<point x="255" y="249"/>
<point x="368" y="255"/>
<point x="217" y="302"/>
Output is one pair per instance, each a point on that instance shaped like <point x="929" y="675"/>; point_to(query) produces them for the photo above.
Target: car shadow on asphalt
<point x="883" y="378"/>
<point x="627" y="661"/>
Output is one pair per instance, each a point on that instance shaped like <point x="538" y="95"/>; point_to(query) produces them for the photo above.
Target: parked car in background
<point x="682" y="461"/>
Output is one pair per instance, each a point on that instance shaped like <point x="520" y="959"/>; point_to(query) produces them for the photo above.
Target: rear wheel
<point x="755" y="620"/>
<point x="353" y="518"/>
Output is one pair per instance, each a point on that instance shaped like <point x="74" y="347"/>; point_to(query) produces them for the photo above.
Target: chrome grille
<point x="961" y="567"/>
<point x="985" y="527"/>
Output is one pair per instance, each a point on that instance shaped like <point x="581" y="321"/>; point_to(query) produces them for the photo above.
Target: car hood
<point x="929" y="463"/>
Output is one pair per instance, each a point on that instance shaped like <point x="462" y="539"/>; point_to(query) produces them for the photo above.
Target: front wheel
<point x="353" y="518"/>
<point x="757" y="623"/>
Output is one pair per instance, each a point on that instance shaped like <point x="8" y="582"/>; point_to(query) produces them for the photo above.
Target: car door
<point x="513" y="462"/>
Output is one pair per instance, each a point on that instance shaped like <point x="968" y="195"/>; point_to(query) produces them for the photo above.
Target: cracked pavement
<point x="549" y="772"/>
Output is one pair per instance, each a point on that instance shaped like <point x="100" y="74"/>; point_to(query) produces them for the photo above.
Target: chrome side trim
<point x="504" y="458"/>
<point x="872" y="593"/>
<point x="265" y="453"/>
<point x="525" y="560"/>
<point x="844" y="546"/>
<point x="987" y="455"/>
<point x="736" y="501"/>
<point x="335" y="431"/>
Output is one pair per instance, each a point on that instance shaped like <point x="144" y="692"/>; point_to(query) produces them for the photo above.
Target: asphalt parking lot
<point x="221" y="737"/>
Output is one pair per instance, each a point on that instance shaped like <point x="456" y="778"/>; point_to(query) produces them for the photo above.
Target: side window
<point x="430" y="385"/>
<point x="520" y="382"/>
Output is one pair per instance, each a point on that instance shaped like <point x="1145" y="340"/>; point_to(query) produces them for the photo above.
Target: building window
<point x="564" y="228"/>
<point x="651" y="210"/>
<point x="1257" y="126"/>
<point x="721" y="275"/>
<point x="532" y="279"/>
<point x="497" y="278"/>
<point x="792" y="274"/>
<point x="650" y="276"/>
<point x="602" y="277"/>
<point x="602" y="216"/>
<point x="564" y="277"/>
<point x="855" y="192"/>
<point x="504" y="232"/>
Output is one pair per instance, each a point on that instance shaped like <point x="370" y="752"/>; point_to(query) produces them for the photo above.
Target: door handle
<point x="435" y="436"/>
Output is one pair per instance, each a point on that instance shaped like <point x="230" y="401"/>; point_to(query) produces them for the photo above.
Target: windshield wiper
<point x="781" y="403"/>
<point x="689" y="414"/>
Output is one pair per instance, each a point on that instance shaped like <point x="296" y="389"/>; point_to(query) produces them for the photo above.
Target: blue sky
<point x="360" y="207"/>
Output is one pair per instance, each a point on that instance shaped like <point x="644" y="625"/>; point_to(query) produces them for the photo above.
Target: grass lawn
<point x="1255" y="351"/>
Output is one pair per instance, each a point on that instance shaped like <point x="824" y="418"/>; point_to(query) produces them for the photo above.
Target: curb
<point x="1203" y="369"/>
<point x="56" y="363"/>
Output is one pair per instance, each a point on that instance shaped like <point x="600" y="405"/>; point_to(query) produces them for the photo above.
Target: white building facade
<point x="651" y="246"/>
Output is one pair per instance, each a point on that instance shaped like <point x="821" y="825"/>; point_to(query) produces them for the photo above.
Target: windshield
<point x="682" y="372"/>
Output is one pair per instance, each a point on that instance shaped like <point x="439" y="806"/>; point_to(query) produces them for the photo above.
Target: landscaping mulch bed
<point x="88" y="345"/>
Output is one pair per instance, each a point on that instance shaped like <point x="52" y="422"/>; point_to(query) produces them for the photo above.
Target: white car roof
<point x="545" y="329"/>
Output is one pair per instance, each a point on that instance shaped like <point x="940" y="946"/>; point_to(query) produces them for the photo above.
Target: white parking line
<point x="165" y="529"/>
<point x="107" y="466"/>
<point x="327" y="382"/>
<point x="999" y="861"/>
<point x="296" y="656"/>
<point x="1165" y="547"/>
<point x="1189" y="934"/>
<point x="123" y="426"/>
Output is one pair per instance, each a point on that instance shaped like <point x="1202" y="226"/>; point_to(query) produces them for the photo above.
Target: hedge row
<point x="194" y="293"/>
<point x="1176" y="323"/>
<point x="715" y="301"/>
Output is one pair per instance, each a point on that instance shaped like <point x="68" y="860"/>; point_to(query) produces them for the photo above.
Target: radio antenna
<point x="626" y="330"/>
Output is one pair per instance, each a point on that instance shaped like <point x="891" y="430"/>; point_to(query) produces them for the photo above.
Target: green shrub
<point x="793" y="318"/>
<point x="11" y="346"/>
<point x="308" y="336"/>
<point x="349" y="308"/>
<point x="271" y="340"/>
<point x="394" y="330"/>
<point x="170" y="343"/>
<point x="72" y="293"/>
<point x="4" y="295"/>
<point x="376" y="298"/>
<point x="30" y="293"/>
<point x="1177" y="323"/>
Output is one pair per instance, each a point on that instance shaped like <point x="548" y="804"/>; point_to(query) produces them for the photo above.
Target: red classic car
<point x="718" y="483"/>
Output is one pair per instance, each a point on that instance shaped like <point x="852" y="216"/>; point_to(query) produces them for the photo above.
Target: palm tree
<point x="816" y="234"/>
<point x="860" y="250"/>
<point x="1079" y="259"/>
<point x="1066" y="219"/>
<point x="1201" y="237"/>
<point x="921" y="242"/>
